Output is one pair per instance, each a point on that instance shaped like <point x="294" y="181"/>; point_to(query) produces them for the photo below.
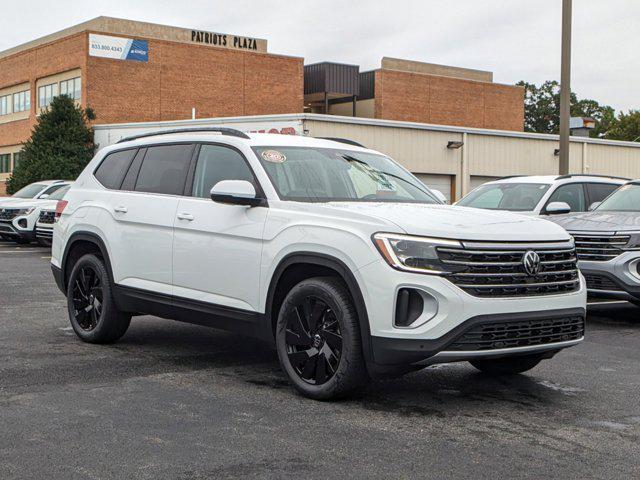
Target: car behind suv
<point x="543" y="195"/>
<point x="608" y="244"/>
<point x="332" y="251"/>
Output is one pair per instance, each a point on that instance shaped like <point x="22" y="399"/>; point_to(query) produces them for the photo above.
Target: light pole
<point x="565" y="87"/>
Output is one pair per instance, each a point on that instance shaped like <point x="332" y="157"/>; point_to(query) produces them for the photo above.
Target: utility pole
<point x="565" y="87"/>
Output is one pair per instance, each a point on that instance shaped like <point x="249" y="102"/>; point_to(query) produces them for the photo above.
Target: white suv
<point x="543" y="195"/>
<point x="332" y="251"/>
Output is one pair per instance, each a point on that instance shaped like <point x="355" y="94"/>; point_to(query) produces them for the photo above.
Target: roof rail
<point x="342" y="140"/>
<point x="232" y="132"/>
<point x="562" y="177"/>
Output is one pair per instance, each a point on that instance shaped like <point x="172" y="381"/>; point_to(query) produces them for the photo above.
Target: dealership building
<point x="129" y="71"/>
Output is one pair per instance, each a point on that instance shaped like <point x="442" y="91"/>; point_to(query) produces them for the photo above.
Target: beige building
<point x="451" y="159"/>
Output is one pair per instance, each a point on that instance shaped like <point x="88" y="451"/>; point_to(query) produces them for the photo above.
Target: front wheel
<point x="508" y="365"/>
<point x="318" y="339"/>
<point x="92" y="310"/>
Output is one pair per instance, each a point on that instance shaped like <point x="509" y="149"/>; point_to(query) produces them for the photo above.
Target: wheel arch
<point x="323" y="263"/>
<point x="80" y="243"/>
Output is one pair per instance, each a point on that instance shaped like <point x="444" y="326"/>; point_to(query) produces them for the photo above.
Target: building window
<point x="17" y="156"/>
<point x="46" y="93"/>
<point x="5" y="163"/>
<point x="71" y="88"/>
<point x="22" y="101"/>
<point x="5" y="105"/>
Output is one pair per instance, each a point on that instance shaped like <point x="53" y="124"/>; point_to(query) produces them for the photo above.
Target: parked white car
<point x="45" y="216"/>
<point x="543" y="195"/>
<point x="331" y="251"/>
<point x="18" y="216"/>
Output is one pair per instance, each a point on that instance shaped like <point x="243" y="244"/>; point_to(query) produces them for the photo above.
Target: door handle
<point x="120" y="209"/>
<point x="185" y="216"/>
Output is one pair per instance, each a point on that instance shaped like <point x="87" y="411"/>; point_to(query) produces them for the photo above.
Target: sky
<point x="515" y="39"/>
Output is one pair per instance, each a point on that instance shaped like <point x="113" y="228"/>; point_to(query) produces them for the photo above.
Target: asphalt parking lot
<point x="183" y="402"/>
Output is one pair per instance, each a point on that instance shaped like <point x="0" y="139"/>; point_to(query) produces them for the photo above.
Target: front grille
<point x="44" y="232"/>
<point x="599" y="248"/>
<point x="46" y="217"/>
<point x="492" y="336"/>
<point x="499" y="271"/>
<point x="8" y="214"/>
<point x="599" y="282"/>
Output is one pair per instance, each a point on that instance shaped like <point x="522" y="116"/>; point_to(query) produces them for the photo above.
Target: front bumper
<point x="13" y="229"/>
<point x="456" y="311"/>
<point x="618" y="278"/>
<point x="539" y="337"/>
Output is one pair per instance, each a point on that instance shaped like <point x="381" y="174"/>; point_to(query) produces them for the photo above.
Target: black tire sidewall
<point x="350" y="371"/>
<point x="103" y="332"/>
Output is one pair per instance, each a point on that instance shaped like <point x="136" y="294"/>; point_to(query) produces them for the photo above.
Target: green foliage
<point x="542" y="109"/>
<point x="60" y="146"/>
<point x="625" y="127"/>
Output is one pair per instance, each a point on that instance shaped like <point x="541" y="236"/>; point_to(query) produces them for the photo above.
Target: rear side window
<point x="51" y="189"/>
<point x="216" y="163"/>
<point x="113" y="168"/>
<point x="599" y="191"/>
<point x="164" y="169"/>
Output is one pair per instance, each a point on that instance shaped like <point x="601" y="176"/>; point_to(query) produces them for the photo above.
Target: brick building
<point x="130" y="71"/>
<point x="411" y="91"/>
<point x="135" y="71"/>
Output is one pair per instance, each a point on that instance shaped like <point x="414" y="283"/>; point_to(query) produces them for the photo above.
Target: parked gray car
<point x="608" y="244"/>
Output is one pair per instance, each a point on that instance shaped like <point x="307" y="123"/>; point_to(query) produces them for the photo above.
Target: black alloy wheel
<point x="313" y="340"/>
<point x="88" y="295"/>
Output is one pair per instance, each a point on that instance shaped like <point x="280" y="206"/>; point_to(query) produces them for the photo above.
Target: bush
<point x="60" y="146"/>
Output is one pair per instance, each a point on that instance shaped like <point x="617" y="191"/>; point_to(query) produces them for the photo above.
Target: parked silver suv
<point x="608" y="244"/>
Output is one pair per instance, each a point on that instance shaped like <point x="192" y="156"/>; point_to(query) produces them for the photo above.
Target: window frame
<point x="543" y="211"/>
<point x="95" y="170"/>
<point x="194" y="163"/>
<point x="138" y="167"/>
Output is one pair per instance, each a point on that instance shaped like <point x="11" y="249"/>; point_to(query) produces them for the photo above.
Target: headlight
<point x="413" y="254"/>
<point x="634" y="242"/>
<point x="25" y="211"/>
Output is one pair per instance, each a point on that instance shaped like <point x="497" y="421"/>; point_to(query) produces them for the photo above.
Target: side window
<point x="113" y="168"/>
<point x="164" y="169"/>
<point x="571" y="194"/>
<point x="599" y="191"/>
<point x="51" y="189"/>
<point x="217" y="163"/>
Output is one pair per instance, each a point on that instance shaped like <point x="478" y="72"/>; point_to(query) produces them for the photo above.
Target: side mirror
<point x="235" y="192"/>
<point x="557" y="208"/>
<point x="43" y="196"/>
<point x="440" y="196"/>
<point x="594" y="205"/>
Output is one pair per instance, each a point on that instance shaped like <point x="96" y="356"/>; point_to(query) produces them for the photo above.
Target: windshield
<point x="59" y="194"/>
<point x="515" y="197"/>
<point x="30" y="191"/>
<point x="324" y="175"/>
<point x="625" y="199"/>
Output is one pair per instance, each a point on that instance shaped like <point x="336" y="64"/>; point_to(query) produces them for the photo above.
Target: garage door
<point x="438" y="182"/>
<point x="477" y="180"/>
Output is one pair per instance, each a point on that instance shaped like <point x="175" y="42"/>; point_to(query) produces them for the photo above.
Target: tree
<point x="542" y="109"/>
<point x="625" y="127"/>
<point x="60" y="146"/>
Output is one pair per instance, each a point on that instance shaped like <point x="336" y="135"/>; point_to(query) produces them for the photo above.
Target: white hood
<point x="460" y="223"/>
<point x="29" y="203"/>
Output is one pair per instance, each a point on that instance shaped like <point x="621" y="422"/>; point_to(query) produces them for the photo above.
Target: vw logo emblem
<point x="531" y="263"/>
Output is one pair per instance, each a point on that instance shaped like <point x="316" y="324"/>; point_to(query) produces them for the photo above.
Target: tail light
<point x="60" y="206"/>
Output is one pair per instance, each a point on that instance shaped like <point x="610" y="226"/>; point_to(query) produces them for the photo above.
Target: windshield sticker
<point x="274" y="156"/>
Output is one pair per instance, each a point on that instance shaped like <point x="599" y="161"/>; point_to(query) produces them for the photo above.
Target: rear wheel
<point x="318" y="339"/>
<point x="92" y="310"/>
<point x="507" y="366"/>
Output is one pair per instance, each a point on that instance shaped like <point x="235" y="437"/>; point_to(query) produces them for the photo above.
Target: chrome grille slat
<point x="499" y="270"/>
<point x="599" y="248"/>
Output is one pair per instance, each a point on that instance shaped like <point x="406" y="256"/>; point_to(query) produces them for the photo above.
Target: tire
<point x="508" y="365"/>
<point x="92" y="311"/>
<point x="318" y="340"/>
